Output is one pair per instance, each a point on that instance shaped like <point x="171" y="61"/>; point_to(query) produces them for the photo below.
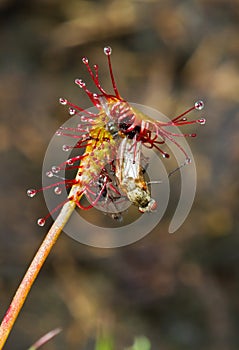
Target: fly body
<point x="129" y="173"/>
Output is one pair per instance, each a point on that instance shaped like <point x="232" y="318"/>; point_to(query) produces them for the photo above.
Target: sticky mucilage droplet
<point x="31" y="192"/>
<point x="199" y="105"/>
<point x="41" y="222"/>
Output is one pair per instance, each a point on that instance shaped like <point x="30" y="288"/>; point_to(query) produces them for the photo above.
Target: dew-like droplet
<point x="201" y="121"/>
<point x="41" y="222"/>
<point x="72" y="111"/>
<point x="65" y="148"/>
<point x="199" y="105"/>
<point x="193" y="135"/>
<point x="188" y="161"/>
<point x="80" y="82"/>
<point x="55" y="169"/>
<point x="84" y="118"/>
<point x="31" y="192"/>
<point x="63" y="101"/>
<point x="166" y="155"/>
<point x="107" y="50"/>
<point x="49" y="174"/>
<point x="57" y="190"/>
<point x="58" y="133"/>
<point x="85" y="60"/>
<point x="70" y="162"/>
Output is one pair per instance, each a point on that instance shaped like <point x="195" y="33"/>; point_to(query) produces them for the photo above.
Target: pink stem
<point x="33" y="270"/>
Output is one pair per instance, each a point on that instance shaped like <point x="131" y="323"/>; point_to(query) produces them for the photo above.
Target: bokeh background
<point x="181" y="290"/>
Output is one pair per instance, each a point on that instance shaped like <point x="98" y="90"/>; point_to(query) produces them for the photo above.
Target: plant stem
<point x="43" y="340"/>
<point x="33" y="270"/>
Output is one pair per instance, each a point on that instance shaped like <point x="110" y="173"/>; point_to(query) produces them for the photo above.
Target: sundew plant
<point x="109" y="163"/>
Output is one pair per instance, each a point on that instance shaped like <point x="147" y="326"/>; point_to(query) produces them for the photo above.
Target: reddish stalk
<point x="33" y="270"/>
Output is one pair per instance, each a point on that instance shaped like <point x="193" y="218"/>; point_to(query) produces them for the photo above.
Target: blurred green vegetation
<point x="181" y="290"/>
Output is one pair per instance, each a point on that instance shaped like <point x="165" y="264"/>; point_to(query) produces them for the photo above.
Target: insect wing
<point x="128" y="160"/>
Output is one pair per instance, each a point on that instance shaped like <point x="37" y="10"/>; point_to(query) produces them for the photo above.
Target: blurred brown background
<point x="181" y="290"/>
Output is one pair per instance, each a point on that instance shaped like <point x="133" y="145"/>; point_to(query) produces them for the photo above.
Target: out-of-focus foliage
<point x="104" y="342"/>
<point x="140" y="343"/>
<point x="181" y="291"/>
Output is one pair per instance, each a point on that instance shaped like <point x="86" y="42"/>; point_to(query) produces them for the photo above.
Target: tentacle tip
<point x="55" y="169"/>
<point x="41" y="222"/>
<point x="108" y="50"/>
<point x="202" y="121"/>
<point x="57" y="190"/>
<point x="79" y="82"/>
<point x="85" y="60"/>
<point x="66" y="148"/>
<point x="166" y="155"/>
<point x="31" y="192"/>
<point x="63" y="101"/>
<point x="199" y="105"/>
<point x="49" y="174"/>
<point x="72" y="111"/>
